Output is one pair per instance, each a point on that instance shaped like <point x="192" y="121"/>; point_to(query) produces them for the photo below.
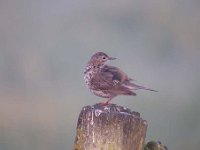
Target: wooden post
<point x="109" y="127"/>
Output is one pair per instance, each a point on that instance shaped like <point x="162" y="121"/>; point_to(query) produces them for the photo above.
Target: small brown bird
<point x="108" y="81"/>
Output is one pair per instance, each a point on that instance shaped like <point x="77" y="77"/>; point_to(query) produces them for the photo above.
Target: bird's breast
<point x="88" y="76"/>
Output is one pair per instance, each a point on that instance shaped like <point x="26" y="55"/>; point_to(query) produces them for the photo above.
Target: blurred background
<point x="45" y="44"/>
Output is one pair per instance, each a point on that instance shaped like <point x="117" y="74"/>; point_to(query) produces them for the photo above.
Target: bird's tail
<point x="133" y="86"/>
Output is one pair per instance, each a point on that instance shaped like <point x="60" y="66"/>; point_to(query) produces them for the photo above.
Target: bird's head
<point x="100" y="58"/>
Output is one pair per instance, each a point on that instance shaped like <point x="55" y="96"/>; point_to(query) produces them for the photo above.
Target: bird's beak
<point x="112" y="58"/>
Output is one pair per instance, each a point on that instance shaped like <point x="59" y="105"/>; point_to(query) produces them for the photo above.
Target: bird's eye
<point x="104" y="57"/>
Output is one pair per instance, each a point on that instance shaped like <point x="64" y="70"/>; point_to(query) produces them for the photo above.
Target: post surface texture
<point x="109" y="127"/>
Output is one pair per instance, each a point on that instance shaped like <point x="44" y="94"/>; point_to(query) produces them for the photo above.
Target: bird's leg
<point x="106" y="102"/>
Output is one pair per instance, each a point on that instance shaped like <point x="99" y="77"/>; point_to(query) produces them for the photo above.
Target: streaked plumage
<point x="108" y="81"/>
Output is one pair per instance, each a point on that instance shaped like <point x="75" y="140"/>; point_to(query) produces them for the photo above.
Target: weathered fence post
<point x="109" y="127"/>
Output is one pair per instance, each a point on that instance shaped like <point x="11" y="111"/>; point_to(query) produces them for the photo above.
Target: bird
<point x="108" y="81"/>
<point x="153" y="145"/>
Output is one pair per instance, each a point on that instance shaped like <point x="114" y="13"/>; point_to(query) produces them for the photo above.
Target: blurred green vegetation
<point x="45" y="45"/>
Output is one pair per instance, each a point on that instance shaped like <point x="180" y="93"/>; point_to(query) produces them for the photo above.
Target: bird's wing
<point x="110" y="77"/>
<point x="113" y="74"/>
